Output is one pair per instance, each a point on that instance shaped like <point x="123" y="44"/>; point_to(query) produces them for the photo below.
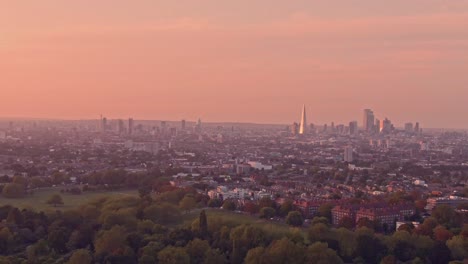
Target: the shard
<point x="303" y="126"/>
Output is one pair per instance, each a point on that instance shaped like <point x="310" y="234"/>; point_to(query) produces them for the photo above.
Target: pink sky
<point x="248" y="61"/>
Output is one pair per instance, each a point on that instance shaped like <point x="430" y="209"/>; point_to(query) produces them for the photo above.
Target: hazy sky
<point x="242" y="60"/>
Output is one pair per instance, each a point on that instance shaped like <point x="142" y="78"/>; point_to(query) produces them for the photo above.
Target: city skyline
<point x="235" y="61"/>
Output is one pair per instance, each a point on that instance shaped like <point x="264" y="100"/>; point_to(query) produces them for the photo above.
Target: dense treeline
<point x="150" y="229"/>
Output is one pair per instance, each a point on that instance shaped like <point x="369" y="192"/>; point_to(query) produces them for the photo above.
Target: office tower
<point x="303" y="125"/>
<point x="312" y="128"/>
<point x="295" y="128"/>
<point x="416" y="128"/>
<point x="348" y="154"/>
<point x="353" y="127"/>
<point x="377" y="126"/>
<point x="182" y="124"/>
<point x="199" y="125"/>
<point x="163" y="127"/>
<point x="368" y="121"/>
<point x="120" y="126"/>
<point x="409" y="127"/>
<point x="103" y="124"/>
<point x="385" y="126"/>
<point x="130" y="126"/>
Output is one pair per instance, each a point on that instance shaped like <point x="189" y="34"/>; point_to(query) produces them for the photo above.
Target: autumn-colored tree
<point x="267" y="212"/>
<point x="318" y="253"/>
<point x="55" y="199"/>
<point x="442" y="234"/>
<point x="187" y="203"/>
<point x="81" y="256"/>
<point x="229" y="205"/>
<point x="294" y="218"/>
<point x="250" y="208"/>
<point x="173" y="255"/>
<point x="346" y="222"/>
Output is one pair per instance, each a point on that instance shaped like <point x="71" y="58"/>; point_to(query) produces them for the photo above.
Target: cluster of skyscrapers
<point x="120" y="127"/>
<point x="370" y="125"/>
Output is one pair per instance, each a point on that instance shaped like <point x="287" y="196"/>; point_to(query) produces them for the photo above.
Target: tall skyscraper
<point x="368" y="121"/>
<point x="130" y="126"/>
<point x="409" y="127"/>
<point x="295" y="128"/>
<point x="353" y="127"/>
<point x="385" y="126"/>
<point x="303" y="125"/>
<point x="103" y="124"/>
<point x="120" y="126"/>
<point x="182" y="125"/>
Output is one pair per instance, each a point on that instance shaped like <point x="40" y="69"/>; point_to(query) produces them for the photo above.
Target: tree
<point x="250" y="208"/>
<point x="283" y="251"/>
<point x="444" y="215"/>
<point x="346" y="222"/>
<point x="318" y="233"/>
<point x="440" y="253"/>
<point x="55" y="199"/>
<point x="325" y="211"/>
<point x="81" y="256"/>
<point x="214" y="256"/>
<point x="320" y="220"/>
<point x="187" y="203"/>
<point x="229" y="205"/>
<point x="203" y="224"/>
<point x="6" y="240"/>
<point x="13" y="190"/>
<point x="286" y="207"/>
<point x="173" y="255"/>
<point x="365" y="222"/>
<point x="442" y="234"/>
<point x="110" y="241"/>
<point x="196" y="249"/>
<point x="214" y="203"/>
<point x="318" y="253"/>
<point x="459" y="247"/>
<point x="255" y="256"/>
<point x="267" y="212"/>
<point x="58" y="238"/>
<point x="294" y="218"/>
<point x="266" y="202"/>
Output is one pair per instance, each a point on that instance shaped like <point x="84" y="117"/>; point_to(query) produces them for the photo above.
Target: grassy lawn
<point x="37" y="201"/>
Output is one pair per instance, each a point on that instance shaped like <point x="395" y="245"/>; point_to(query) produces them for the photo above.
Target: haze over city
<point x="240" y="61"/>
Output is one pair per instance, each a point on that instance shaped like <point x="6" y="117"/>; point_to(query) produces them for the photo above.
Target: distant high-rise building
<point x="385" y="126"/>
<point x="303" y="125"/>
<point x="377" y="126"/>
<point x="199" y="126"/>
<point x="182" y="124"/>
<point x="416" y="128"/>
<point x="130" y="126"/>
<point x="353" y="128"/>
<point x="409" y="127"/>
<point x="348" y="154"/>
<point x="103" y="124"/>
<point x="120" y="126"/>
<point x="368" y="121"/>
<point x="295" y="128"/>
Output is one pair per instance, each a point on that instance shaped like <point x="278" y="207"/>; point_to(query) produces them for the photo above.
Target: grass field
<point x="37" y="201"/>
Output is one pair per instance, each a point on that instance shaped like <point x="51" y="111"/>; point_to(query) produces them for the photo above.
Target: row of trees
<point x="150" y="230"/>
